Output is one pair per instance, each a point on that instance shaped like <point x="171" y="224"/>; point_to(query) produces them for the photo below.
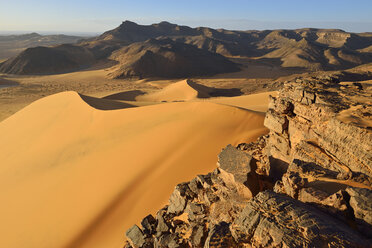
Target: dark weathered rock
<point x="276" y="122"/>
<point x="177" y="202"/>
<point x="149" y="224"/>
<point x="274" y="220"/>
<point x="162" y="226"/>
<point x="198" y="236"/>
<point x="194" y="211"/>
<point x="220" y="236"/>
<point x="361" y="203"/>
<point x="292" y="182"/>
<point x="235" y="162"/>
<point x="170" y="240"/>
<point x="240" y="165"/>
<point x="135" y="236"/>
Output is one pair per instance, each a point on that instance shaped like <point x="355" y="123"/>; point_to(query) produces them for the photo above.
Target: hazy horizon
<point x="95" y="17"/>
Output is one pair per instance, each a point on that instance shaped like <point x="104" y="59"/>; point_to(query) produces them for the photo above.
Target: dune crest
<point x="179" y="91"/>
<point x="187" y="90"/>
<point x="75" y="176"/>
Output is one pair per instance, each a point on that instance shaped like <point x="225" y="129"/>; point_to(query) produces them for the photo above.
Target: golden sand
<point x="75" y="176"/>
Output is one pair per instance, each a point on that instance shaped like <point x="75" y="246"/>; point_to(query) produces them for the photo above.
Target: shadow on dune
<point x="207" y="92"/>
<point x="104" y="104"/>
<point x="125" y="96"/>
<point x="202" y="92"/>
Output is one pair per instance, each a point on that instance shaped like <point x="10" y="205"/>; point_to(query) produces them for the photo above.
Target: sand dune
<point x="256" y="102"/>
<point x="187" y="90"/>
<point x="180" y="91"/>
<point x="75" y="176"/>
<point x="129" y="95"/>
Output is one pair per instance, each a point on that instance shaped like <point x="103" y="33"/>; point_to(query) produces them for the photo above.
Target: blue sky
<point x="78" y="16"/>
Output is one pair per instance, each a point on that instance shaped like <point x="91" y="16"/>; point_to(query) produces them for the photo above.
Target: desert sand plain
<point x="255" y="77"/>
<point x="110" y="158"/>
<point x="109" y="162"/>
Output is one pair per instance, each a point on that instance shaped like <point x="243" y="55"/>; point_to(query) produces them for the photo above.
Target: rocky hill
<point x="49" y="60"/>
<point x="311" y="49"/>
<point x="168" y="59"/>
<point x="11" y="45"/>
<point x="306" y="184"/>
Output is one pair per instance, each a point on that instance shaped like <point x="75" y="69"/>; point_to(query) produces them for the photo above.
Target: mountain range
<point x="170" y="51"/>
<point x="11" y="45"/>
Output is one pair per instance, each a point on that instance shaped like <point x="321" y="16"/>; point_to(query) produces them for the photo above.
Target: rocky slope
<point x="168" y="59"/>
<point x="306" y="184"/>
<point x="49" y="60"/>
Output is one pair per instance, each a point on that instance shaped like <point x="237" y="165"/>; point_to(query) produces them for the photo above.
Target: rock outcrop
<point x="305" y="184"/>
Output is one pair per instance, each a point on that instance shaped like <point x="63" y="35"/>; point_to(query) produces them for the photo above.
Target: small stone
<point x="135" y="236"/>
<point x="162" y="226"/>
<point x="149" y="224"/>
<point x="198" y="236"/>
<point x="177" y="202"/>
<point x="220" y="236"/>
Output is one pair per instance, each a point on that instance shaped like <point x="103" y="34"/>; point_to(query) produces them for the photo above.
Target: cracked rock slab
<point x="275" y="220"/>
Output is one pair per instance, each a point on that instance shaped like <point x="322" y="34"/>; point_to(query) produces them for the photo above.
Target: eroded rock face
<point x="307" y="117"/>
<point x="306" y="184"/>
<point x="275" y="220"/>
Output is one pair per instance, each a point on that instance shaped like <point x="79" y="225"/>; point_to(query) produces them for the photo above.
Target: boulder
<point x="276" y="122"/>
<point x="239" y="164"/>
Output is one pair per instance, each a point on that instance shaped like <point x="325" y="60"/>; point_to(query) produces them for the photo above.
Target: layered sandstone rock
<point x="306" y="184"/>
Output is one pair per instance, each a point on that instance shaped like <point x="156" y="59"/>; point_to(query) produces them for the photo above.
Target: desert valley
<point x="165" y="135"/>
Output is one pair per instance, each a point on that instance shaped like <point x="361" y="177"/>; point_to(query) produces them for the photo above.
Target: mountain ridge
<point x="307" y="48"/>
